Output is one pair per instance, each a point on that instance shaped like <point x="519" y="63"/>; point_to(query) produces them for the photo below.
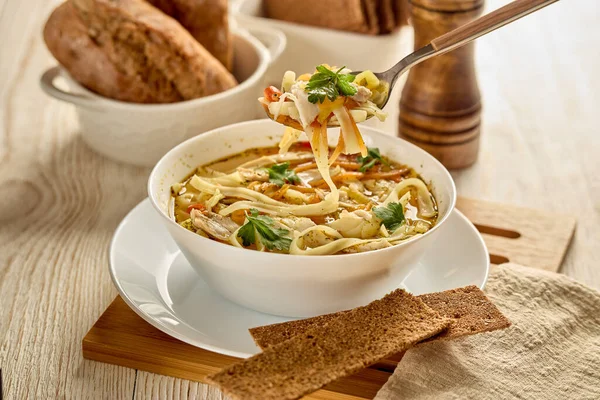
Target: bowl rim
<point x="221" y="131"/>
<point x="238" y="34"/>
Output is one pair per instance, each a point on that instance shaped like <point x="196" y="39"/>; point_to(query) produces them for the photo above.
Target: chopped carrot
<point x="350" y="103"/>
<point x="361" y="142"/>
<point x="239" y="217"/>
<point x="338" y="149"/>
<point x="305" y="167"/>
<point x="314" y="199"/>
<point x="397" y="173"/>
<point x="302" y="189"/>
<point x="346" y="165"/>
<point x="305" y="144"/>
<point x="272" y="94"/>
<point x="337" y="178"/>
<point x="318" y="219"/>
<point x="280" y="193"/>
<point x="197" y="206"/>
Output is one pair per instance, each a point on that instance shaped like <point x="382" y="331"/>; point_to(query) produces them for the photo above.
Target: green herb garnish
<point x="392" y="215"/>
<point x="373" y="157"/>
<point x="330" y="84"/>
<point x="280" y="174"/>
<point x="272" y="238"/>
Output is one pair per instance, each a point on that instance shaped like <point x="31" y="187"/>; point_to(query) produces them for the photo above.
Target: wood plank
<point x="121" y="337"/>
<point x="521" y="235"/>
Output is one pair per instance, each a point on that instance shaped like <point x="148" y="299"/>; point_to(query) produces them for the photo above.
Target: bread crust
<point x="345" y="15"/>
<point x="130" y="51"/>
<point x="207" y="22"/>
<point x="66" y="37"/>
<point x="386" y="16"/>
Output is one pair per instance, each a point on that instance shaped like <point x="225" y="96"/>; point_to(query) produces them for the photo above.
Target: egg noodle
<point x="330" y="202"/>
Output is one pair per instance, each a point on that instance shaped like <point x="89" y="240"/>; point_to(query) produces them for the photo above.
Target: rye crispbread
<point x="472" y="312"/>
<point x="386" y="16"/>
<point x="369" y="8"/>
<point x="345" y="15"/>
<point x="373" y="17"/>
<point x="362" y="16"/>
<point x="322" y="354"/>
<point x="401" y="10"/>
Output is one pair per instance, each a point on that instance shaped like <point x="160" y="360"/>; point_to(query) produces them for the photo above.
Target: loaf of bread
<point x="129" y="50"/>
<point x="207" y="21"/>
<point x="67" y="39"/>
<point x="360" y="16"/>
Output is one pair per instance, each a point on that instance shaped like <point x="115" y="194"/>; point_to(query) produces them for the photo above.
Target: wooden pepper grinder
<point x="440" y="106"/>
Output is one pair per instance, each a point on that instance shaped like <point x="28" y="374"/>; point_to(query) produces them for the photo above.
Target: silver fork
<point x="459" y="37"/>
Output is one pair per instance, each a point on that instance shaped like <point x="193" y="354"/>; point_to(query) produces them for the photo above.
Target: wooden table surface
<point x="60" y="202"/>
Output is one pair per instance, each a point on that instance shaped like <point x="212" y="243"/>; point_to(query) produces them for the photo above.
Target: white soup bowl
<point x="292" y="285"/>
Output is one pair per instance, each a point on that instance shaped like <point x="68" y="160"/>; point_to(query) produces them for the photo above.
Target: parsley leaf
<point x="280" y="174"/>
<point x="372" y="158"/>
<point x="344" y="86"/>
<point x="392" y="215"/>
<point x="247" y="234"/>
<point x="326" y="83"/>
<point x="272" y="238"/>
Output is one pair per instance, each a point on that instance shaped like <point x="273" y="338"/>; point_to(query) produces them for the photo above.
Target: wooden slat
<point x="121" y="337"/>
<point x="524" y="236"/>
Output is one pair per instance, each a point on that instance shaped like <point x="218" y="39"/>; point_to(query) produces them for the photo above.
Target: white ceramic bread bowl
<point x="140" y="134"/>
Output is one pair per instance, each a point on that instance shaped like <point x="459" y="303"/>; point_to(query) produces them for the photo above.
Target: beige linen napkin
<point x="552" y="350"/>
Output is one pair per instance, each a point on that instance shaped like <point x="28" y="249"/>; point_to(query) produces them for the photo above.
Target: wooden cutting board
<point x="528" y="237"/>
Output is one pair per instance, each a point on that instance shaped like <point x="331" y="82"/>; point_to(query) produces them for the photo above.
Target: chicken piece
<point x="249" y="174"/>
<point x="362" y="94"/>
<point x="359" y="224"/>
<point x="213" y="224"/>
<point x="360" y="248"/>
<point x="297" y="223"/>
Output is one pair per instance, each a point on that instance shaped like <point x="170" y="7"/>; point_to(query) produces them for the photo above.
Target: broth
<point x="262" y="200"/>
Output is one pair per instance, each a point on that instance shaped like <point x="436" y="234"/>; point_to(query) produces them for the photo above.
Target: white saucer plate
<point x="158" y="283"/>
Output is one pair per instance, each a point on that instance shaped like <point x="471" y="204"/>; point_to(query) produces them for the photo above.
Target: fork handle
<point x="488" y="23"/>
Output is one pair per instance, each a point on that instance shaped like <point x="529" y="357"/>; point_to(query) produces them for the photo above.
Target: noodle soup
<point x="269" y="201"/>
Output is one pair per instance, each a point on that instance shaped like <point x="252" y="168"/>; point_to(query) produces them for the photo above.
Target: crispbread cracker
<point x="386" y="16"/>
<point x="472" y="312"/>
<point x="369" y="8"/>
<point x="401" y="11"/>
<point x="346" y="15"/>
<point x="346" y="344"/>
